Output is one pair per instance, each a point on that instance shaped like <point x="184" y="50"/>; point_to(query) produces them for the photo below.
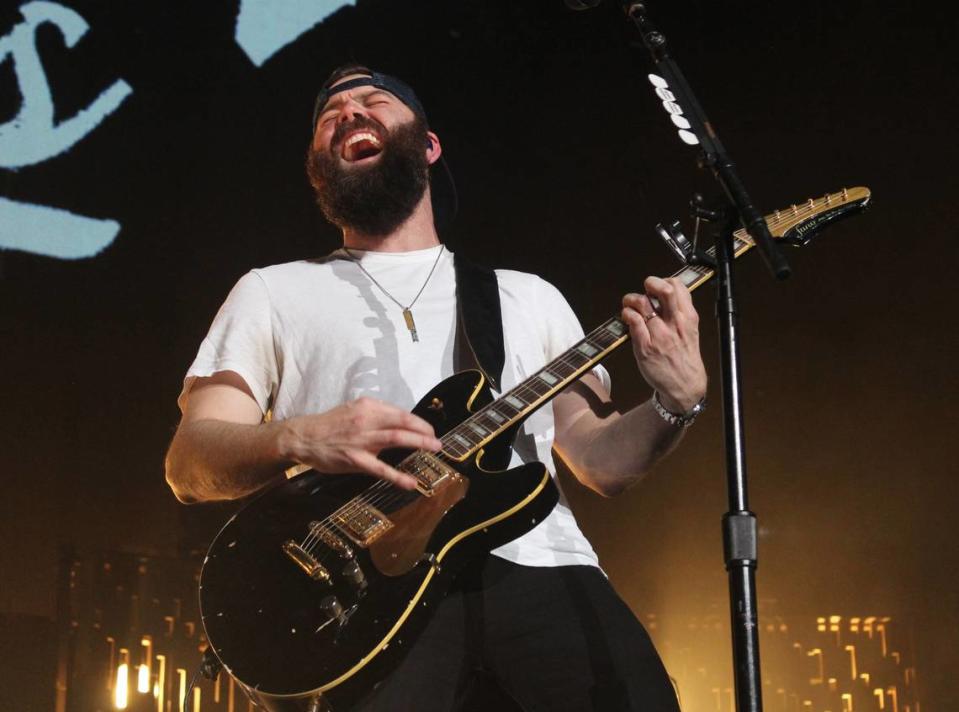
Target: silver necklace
<point x="407" y="310"/>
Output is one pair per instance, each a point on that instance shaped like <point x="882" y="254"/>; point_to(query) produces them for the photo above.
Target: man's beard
<point x="377" y="198"/>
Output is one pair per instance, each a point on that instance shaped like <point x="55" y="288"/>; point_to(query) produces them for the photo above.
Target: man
<point x="341" y="348"/>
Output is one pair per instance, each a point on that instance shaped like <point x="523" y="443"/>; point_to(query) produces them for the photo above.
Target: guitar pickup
<point x="363" y="523"/>
<point x="306" y="561"/>
<point x="430" y="473"/>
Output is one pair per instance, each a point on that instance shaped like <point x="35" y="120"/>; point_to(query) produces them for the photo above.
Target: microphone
<point x="582" y="4"/>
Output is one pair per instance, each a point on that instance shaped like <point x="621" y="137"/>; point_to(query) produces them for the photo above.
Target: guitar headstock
<point x="798" y="224"/>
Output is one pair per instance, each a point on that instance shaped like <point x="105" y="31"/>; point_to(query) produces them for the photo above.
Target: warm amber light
<point x="817" y="653"/>
<point x="893" y="694"/>
<point x="181" y="698"/>
<point x="852" y="659"/>
<point x="143" y="679"/>
<point x="881" y="628"/>
<point x="161" y="682"/>
<point x="120" y="687"/>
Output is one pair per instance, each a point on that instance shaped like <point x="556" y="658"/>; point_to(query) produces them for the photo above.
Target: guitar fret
<point x="476" y="428"/>
<point x="462" y="440"/>
<point x="587" y="349"/>
<point x="514" y="401"/>
<point x="538" y="386"/>
<point x="484" y="420"/>
<point x="574" y="359"/>
<point x="616" y="328"/>
<point x="496" y="416"/>
<point x="602" y="337"/>
<point x="452" y="447"/>
<point x="548" y="378"/>
<point x="690" y="276"/>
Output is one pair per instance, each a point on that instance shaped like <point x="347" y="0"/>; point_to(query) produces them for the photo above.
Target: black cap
<point x="397" y="87"/>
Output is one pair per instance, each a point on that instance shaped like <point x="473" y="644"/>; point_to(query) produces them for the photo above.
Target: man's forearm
<point x="621" y="449"/>
<point x="215" y="459"/>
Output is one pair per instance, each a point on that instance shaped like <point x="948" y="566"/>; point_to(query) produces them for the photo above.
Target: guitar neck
<point x="519" y="402"/>
<point x="795" y="225"/>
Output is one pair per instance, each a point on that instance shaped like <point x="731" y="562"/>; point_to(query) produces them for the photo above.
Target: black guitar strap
<point x="480" y="316"/>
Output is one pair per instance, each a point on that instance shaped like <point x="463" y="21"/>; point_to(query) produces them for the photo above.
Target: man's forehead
<point x="383" y="82"/>
<point x="336" y="91"/>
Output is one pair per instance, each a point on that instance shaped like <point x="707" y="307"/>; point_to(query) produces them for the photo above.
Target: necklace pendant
<point x="410" y="324"/>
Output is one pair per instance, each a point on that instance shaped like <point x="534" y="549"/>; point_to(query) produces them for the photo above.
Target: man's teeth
<point x="363" y="136"/>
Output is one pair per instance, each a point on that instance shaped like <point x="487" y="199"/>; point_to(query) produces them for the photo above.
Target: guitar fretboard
<point x="469" y="436"/>
<point x="516" y="404"/>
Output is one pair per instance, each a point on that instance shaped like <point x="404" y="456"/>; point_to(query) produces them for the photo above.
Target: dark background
<point x="564" y="162"/>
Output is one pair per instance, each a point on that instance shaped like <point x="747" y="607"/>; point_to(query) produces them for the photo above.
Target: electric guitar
<point x="311" y="593"/>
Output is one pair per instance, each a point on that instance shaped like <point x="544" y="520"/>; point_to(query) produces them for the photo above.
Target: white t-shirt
<point x="310" y="335"/>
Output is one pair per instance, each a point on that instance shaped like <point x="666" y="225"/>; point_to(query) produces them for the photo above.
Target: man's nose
<point x="350" y="110"/>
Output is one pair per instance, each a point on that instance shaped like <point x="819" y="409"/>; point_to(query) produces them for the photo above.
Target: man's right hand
<point x="348" y="438"/>
<point x="223" y="449"/>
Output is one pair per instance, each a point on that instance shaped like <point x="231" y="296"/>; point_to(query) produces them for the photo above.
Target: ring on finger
<point x="650" y="317"/>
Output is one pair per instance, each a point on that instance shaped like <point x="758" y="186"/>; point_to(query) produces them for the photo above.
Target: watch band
<point x="680" y="420"/>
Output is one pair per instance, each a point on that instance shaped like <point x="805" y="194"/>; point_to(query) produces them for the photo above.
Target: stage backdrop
<point x="151" y="153"/>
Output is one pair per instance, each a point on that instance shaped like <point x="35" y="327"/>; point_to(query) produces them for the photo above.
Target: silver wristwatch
<point x="680" y="420"/>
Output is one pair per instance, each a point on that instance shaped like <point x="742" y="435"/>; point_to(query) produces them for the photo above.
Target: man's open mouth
<point x="360" y="145"/>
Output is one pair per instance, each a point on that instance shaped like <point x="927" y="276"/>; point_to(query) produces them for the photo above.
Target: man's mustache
<point x="360" y="122"/>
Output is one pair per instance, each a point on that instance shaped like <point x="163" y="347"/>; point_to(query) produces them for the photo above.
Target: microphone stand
<point x="739" y="523"/>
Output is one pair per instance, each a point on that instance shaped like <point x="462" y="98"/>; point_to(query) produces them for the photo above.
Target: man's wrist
<point x="679" y="417"/>
<point x="680" y="403"/>
<point x="286" y="441"/>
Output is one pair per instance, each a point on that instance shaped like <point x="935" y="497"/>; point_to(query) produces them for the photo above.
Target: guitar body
<point x="296" y="636"/>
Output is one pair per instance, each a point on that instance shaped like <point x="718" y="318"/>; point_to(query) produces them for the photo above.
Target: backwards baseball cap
<point x="445" y="197"/>
<point x="397" y="87"/>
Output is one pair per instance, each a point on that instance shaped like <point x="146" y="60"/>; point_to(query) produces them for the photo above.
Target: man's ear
<point x="433" y="148"/>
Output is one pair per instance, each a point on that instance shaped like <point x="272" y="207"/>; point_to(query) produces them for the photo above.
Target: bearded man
<point x="340" y="348"/>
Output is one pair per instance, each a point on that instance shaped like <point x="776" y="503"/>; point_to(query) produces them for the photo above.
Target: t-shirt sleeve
<point x="240" y="339"/>
<point x="562" y="328"/>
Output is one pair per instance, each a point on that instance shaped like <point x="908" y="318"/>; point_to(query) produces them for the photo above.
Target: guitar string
<point x="372" y="498"/>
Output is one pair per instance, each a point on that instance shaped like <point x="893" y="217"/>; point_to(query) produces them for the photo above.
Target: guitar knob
<point x="354" y="574"/>
<point x="332" y="607"/>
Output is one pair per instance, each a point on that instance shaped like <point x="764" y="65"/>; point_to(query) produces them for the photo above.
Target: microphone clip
<point x="685" y="251"/>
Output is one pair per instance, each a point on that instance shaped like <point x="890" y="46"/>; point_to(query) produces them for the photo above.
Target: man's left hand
<point x="666" y="342"/>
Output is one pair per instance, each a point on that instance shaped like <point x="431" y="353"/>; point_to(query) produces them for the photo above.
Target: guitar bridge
<point x="306" y="561"/>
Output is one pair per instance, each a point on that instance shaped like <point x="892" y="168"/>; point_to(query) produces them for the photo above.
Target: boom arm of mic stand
<point x="715" y="154"/>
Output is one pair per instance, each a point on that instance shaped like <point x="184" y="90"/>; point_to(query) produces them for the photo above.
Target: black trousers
<point x="554" y="639"/>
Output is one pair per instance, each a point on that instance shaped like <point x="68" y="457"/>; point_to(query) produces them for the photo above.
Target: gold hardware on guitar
<point x="302" y="558"/>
